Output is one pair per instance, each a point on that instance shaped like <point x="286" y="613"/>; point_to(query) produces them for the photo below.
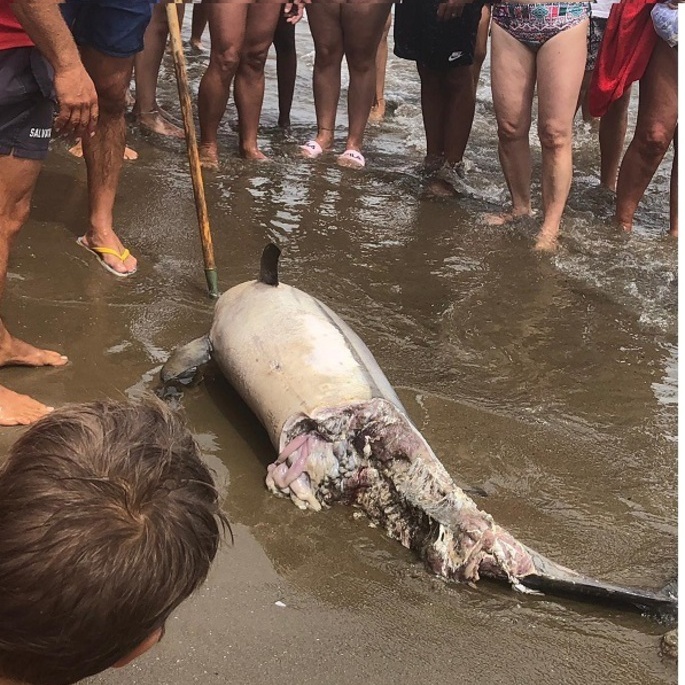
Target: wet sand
<point x="548" y="383"/>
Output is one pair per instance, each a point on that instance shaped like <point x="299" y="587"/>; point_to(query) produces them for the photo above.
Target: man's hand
<point x="76" y="95"/>
<point x="77" y="100"/>
<point x="450" y="9"/>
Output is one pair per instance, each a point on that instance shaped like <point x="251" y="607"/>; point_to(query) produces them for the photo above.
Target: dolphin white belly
<point x="287" y="353"/>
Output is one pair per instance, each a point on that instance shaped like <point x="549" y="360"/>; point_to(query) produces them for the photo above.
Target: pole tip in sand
<point x="212" y="282"/>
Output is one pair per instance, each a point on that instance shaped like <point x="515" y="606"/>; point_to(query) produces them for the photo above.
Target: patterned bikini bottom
<point x="535" y="23"/>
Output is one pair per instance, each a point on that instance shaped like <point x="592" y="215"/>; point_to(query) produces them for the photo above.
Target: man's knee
<point x="14" y="216"/>
<point x="111" y="92"/>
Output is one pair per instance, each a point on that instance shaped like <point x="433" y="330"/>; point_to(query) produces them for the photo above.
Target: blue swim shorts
<point x="27" y="103"/>
<point x="112" y="27"/>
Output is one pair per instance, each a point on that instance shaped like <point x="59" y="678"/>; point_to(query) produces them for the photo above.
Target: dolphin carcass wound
<point x="342" y="435"/>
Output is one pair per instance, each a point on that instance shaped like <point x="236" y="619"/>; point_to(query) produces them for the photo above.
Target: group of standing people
<point x="543" y="48"/>
<point x="81" y="55"/>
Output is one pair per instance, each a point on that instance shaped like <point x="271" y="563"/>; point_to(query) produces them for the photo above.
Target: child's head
<point x="108" y="521"/>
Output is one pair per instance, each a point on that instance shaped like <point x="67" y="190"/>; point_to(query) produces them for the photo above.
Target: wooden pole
<point x="191" y="144"/>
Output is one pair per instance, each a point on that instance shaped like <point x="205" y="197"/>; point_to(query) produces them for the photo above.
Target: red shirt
<point x="12" y="35"/>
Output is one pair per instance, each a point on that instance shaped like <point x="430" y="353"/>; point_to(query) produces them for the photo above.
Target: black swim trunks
<point x="27" y="103"/>
<point x="421" y="37"/>
<point x="113" y="27"/>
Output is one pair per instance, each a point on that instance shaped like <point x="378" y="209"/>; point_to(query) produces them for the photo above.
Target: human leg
<point x="17" y="180"/>
<point x="249" y="82"/>
<point x="286" y="69"/>
<point x="104" y="153"/>
<point x="147" y="63"/>
<point x="512" y="72"/>
<point x="378" y="108"/>
<point x="673" y="204"/>
<point x="481" y="50"/>
<point x="199" y="22"/>
<point x="362" y="29"/>
<point x="460" y="107"/>
<point x="433" y="113"/>
<point x="656" y="123"/>
<point x="227" y="23"/>
<point x="612" y="135"/>
<point x="560" y="68"/>
<point x="326" y="27"/>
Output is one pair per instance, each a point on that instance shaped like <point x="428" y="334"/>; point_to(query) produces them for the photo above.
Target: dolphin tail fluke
<point x="268" y="268"/>
<point x="554" y="579"/>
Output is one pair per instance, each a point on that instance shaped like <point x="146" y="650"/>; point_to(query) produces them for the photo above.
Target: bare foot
<point x="130" y="154"/>
<point x="626" y="226"/>
<point x="254" y="155"/>
<point x="437" y="187"/>
<point x="110" y="240"/>
<point x="77" y="150"/>
<point x="504" y="218"/>
<point x="673" y="232"/>
<point x="548" y="241"/>
<point x="20" y="410"/>
<point x="15" y="352"/>
<point x="156" y="122"/>
<point x="196" y="45"/>
<point x="377" y="113"/>
<point x="209" y="156"/>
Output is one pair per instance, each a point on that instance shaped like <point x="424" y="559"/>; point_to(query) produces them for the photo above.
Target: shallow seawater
<point x="547" y="383"/>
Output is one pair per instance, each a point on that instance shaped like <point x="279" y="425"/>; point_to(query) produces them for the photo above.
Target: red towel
<point x="624" y="53"/>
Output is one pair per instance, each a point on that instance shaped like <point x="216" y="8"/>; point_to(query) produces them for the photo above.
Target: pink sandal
<point x="311" y="149"/>
<point x="352" y="159"/>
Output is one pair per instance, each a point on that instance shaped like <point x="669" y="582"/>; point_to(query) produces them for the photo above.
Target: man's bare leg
<point x="146" y="111"/>
<point x="262" y="19"/>
<point x="227" y="23"/>
<point x="17" y="181"/>
<point x="104" y="152"/>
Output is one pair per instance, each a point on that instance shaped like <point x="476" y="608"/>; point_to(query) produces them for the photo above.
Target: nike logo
<point x="455" y="56"/>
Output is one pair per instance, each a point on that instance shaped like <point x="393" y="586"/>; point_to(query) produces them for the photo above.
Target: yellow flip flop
<point x="99" y="251"/>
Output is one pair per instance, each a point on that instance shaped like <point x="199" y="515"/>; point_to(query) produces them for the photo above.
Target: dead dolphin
<point x="342" y="434"/>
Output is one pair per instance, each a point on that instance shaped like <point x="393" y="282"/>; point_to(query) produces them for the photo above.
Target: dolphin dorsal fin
<point x="268" y="269"/>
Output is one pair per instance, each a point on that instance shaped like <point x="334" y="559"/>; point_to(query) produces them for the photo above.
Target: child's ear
<point x="148" y="643"/>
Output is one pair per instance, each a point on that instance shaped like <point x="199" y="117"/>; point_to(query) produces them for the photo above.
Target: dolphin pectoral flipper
<point x="183" y="364"/>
